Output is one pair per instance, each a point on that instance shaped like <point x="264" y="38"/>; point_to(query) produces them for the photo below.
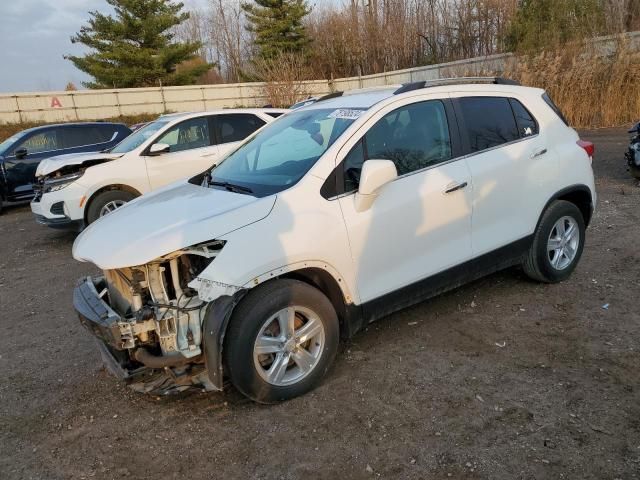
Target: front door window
<point x="187" y="135"/>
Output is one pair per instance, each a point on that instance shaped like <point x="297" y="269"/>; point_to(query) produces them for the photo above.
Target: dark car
<point x="21" y="153"/>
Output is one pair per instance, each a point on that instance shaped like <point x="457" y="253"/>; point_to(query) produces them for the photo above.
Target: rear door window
<point x="79" y="136"/>
<point x="489" y="122"/>
<point x="233" y="127"/>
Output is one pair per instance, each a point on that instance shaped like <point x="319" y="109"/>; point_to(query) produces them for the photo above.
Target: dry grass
<point x="593" y="89"/>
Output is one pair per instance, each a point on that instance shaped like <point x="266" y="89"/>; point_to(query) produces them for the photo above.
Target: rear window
<point x="489" y="122"/>
<point x="555" y="108"/>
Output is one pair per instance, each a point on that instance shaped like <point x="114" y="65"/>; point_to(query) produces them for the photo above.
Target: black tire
<point x="634" y="171"/>
<point x="93" y="212"/>
<point x="247" y="320"/>
<point x="537" y="264"/>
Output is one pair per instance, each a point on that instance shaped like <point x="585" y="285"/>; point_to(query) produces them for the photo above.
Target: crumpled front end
<point x="149" y="322"/>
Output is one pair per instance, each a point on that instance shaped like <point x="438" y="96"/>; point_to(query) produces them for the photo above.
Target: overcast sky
<point x="35" y="34"/>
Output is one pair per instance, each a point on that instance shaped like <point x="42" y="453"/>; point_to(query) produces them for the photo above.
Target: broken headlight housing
<point x="54" y="184"/>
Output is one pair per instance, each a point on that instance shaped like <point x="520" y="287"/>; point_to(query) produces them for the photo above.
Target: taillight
<point x="588" y="147"/>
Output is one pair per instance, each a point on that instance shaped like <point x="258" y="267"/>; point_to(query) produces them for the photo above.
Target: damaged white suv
<point x="335" y="215"/>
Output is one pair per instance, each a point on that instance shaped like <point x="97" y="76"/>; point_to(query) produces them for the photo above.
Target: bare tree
<point x="285" y="78"/>
<point x="229" y="40"/>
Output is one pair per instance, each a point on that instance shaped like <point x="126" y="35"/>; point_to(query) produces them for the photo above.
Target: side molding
<point x="277" y="272"/>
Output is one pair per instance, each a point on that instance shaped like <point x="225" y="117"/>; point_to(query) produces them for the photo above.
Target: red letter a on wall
<point x="55" y="102"/>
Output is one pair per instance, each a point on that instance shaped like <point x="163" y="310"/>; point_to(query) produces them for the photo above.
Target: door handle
<point x="538" y="153"/>
<point x="455" y="186"/>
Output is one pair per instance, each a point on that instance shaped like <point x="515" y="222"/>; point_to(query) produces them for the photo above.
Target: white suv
<point x="335" y="215"/>
<point x="75" y="190"/>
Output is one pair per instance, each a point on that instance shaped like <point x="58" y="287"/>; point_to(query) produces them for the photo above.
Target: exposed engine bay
<point x="50" y="181"/>
<point x="156" y="331"/>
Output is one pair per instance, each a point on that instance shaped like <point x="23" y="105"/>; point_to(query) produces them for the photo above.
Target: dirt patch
<point x="500" y="379"/>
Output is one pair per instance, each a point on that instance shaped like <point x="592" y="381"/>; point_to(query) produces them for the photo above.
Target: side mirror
<point x="20" y="153"/>
<point x="158" y="149"/>
<point x="374" y="175"/>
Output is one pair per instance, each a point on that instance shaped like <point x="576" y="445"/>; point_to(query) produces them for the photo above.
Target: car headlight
<point x="55" y="184"/>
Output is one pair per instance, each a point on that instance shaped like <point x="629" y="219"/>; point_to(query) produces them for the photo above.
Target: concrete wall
<point x="99" y="104"/>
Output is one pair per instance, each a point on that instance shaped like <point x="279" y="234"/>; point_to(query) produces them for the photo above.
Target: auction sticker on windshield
<point x="346" y="113"/>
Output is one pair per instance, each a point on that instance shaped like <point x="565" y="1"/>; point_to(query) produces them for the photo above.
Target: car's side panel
<point x="20" y="172"/>
<point x="413" y="229"/>
<point x="311" y="234"/>
<point x="513" y="182"/>
<point x="456" y="276"/>
<point x="129" y="170"/>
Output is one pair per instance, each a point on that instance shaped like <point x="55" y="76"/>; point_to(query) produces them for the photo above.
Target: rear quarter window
<point x="527" y="125"/>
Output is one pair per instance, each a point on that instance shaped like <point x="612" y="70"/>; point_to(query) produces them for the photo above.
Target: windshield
<point x="138" y="137"/>
<point x="282" y="152"/>
<point x="9" y="142"/>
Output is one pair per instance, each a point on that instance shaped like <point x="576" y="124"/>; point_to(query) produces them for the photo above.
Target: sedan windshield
<point x="138" y="137"/>
<point x="281" y="153"/>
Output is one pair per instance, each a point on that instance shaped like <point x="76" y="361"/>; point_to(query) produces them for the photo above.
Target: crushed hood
<point x="164" y="221"/>
<point x="51" y="164"/>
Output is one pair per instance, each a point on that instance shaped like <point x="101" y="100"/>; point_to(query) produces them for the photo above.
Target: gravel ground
<point x="500" y="379"/>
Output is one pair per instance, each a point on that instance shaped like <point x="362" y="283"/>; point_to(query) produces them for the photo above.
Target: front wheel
<point x="557" y="244"/>
<point x="106" y="202"/>
<point x="281" y="340"/>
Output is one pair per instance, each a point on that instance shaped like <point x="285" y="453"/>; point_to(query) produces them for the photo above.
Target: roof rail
<point x="408" y="87"/>
<point x="329" y="96"/>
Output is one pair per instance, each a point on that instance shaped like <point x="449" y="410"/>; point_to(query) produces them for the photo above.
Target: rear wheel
<point x="557" y="245"/>
<point x="106" y="202"/>
<point x="282" y="339"/>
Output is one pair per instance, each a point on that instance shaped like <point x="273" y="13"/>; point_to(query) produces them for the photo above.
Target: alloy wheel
<point x="111" y="206"/>
<point x="563" y="242"/>
<point x="289" y="346"/>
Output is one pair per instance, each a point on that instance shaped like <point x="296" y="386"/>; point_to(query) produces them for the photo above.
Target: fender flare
<point x="220" y="310"/>
<point x="572" y="189"/>
<point x="216" y="321"/>
<point x="292" y="267"/>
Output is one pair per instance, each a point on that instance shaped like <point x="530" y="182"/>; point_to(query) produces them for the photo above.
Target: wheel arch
<point x="114" y="186"/>
<point x="580" y="195"/>
<point x="328" y="285"/>
<point x="317" y="274"/>
<point x="325" y="278"/>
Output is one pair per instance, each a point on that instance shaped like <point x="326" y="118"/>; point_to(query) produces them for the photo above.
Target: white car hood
<point x="165" y="221"/>
<point x="51" y="164"/>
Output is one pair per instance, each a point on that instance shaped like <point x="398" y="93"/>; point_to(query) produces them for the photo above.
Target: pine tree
<point x="540" y="24"/>
<point x="278" y="26"/>
<point x="136" y="47"/>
